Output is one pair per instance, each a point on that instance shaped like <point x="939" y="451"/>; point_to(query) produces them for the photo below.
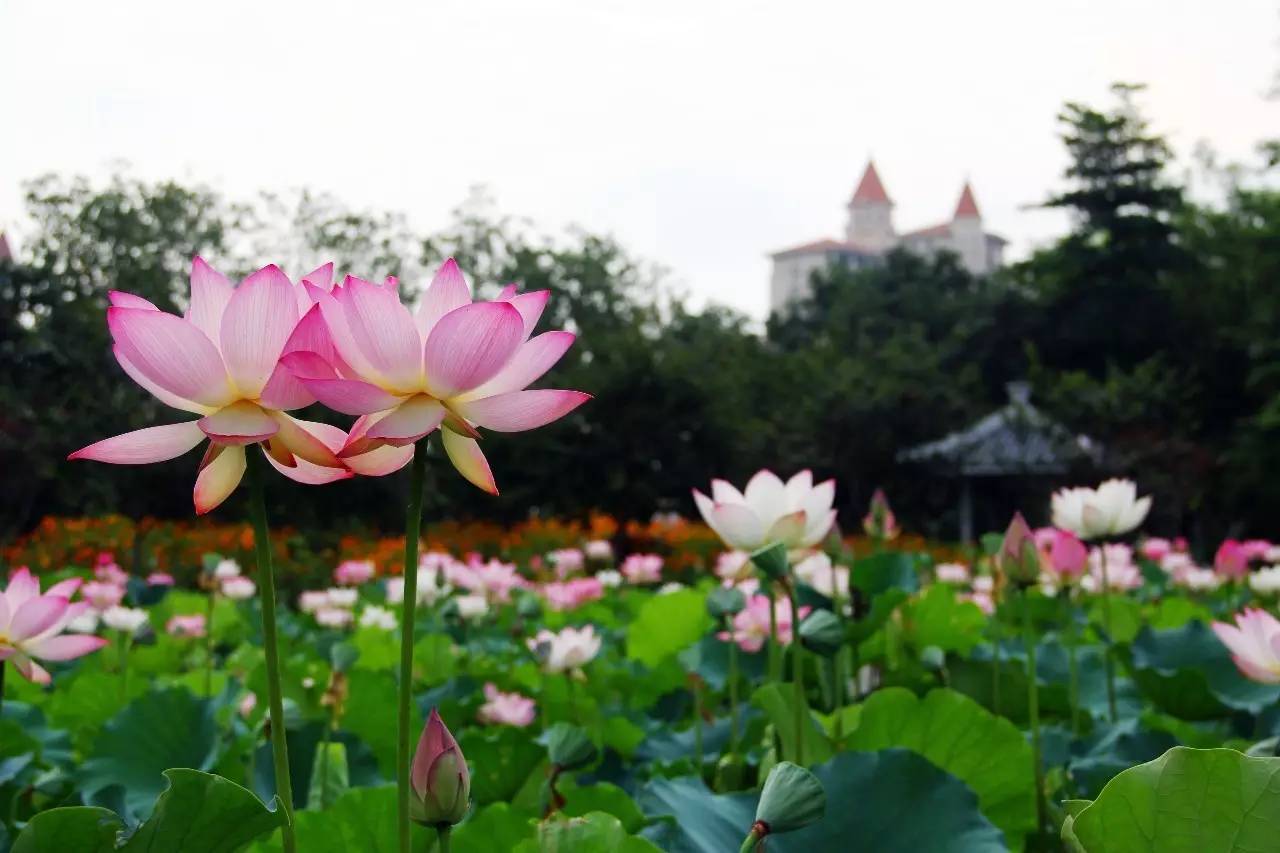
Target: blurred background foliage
<point x="1151" y="326"/>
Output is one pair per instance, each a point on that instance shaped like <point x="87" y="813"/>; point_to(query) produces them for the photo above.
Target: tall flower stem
<point x="1073" y="667"/>
<point x="752" y="840"/>
<point x="122" y="647"/>
<point x="2" y="668"/>
<point x="995" y="669"/>
<point x="775" y="659"/>
<point x="271" y="644"/>
<point x="442" y="832"/>
<point x="404" y="746"/>
<point x="1033" y="705"/>
<point x="1108" y="663"/>
<point x="208" y="647"/>
<point x="797" y="662"/>
<point x="733" y="689"/>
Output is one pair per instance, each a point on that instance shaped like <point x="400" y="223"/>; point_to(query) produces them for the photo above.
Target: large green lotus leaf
<point x="882" y="572"/>
<point x="1111" y="749"/>
<point x="1186" y="801"/>
<point x="370" y="715"/>
<point x="87" y="701"/>
<point x="23" y="728"/>
<point x="330" y="777"/>
<point x="986" y="752"/>
<point x="666" y="624"/>
<point x="596" y="831"/>
<point x="710" y="659"/>
<point x="495" y="827"/>
<point x="378" y="649"/>
<point x="891" y="801"/>
<point x="937" y="618"/>
<point x="501" y="758"/>
<point x="362" y="819"/>
<point x="82" y="829"/>
<point x="1189" y="673"/>
<point x="778" y="701"/>
<point x="601" y="797"/>
<point x="162" y="729"/>
<point x="202" y="813"/>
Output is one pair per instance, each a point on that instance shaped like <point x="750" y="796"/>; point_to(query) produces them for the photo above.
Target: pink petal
<point x="66" y="588"/>
<point x="120" y="299"/>
<point x="144" y="446"/>
<point x="22" y="586"/>
<point x="521" y="410"/>
<point x="384" y="331"/>
<point x="171" y="353"/>
<point x="534" y="358"/>
<point x="470" y="345"/>
<point x="308" y="365"/>
<point x="304" y="444"/>
<point x="65" y="646"/>
<point x="32" y="671"/>
<point x="240" y="423"/>
<point x="381" y="461"/>
<point x="35" y="616"/>
<point x="466" y="456"/>
<point x="210" y="293"/>
<point x="321" y="276"/>
<point x="506" y="293"/>
<point x="284" y="392"/>
<point x="411" y="420"/>
<point x="447" y="291"/>
<point x="310" y="474"/>
<point x="219" y="478"/>
<point x="351" y="396"/>
<point x="530" y="305"/>
<point x="311" y="337"/>
<point x="258" y="320"/>
<point x="155" y="390"/>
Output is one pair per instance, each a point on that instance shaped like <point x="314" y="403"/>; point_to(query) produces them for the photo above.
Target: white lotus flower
<point x="796" y="513"/>
<point x="1112" y="509"/>
<point x="570" y="649"/>
<point x="129" y="620"/>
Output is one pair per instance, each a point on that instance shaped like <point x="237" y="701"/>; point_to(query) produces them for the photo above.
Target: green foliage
<point x="1186" y="801"/>
<point x="202" y="813"/>
<point x="958" y="735"/>
<point x="362" y="819"/>
<point x="1189" y="673"/>
<point x="329" y="775"/>
<point x="938" y="619"/>
<point x="83" y="829"/>
<point x="665" y="624"/>
<point x="778" y="701"/>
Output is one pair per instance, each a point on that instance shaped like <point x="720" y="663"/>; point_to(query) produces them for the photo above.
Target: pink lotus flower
<point x="239" y="589"/>
<point x="309" y="601"/>
<point x="354" y="572"/>
<point x="494" y="579"/>
<point x="334" y="617"/>
<point x="32" y="625"/>
<point x="1122" y="573"/>
<point x="1155" y="548"/>
<point x="1254" y="643"/>
<point x="751" y="624"/>
<point x="642" y="568"/>
<point x="247" y="704"/>
<point x="101" y="595"/>
<point x="505" y="709"/>
<point x="1232" y="560"/>
<point x="456" y="363"/>
<point x="796" y="513"/>
<point x="567" y="561"/>
<point x="1068" y="556"/>
<point x="1255" y="549"/>
<point x="221" y="362"/>
<point x="189" y="625"/>
<point x="108" y="571"/>
<point x="159" y="579"/>
<point x="984" y="600"/>
<point x="572" y="594"/>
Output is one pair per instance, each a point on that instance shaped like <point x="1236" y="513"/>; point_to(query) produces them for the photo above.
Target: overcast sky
<point x="703" y="135"/>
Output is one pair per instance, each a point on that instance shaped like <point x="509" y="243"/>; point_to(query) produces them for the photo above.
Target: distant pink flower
<point x="102" y="595"/>
<point x="311" y="600"/>
<point x="1232" y="560"/>
<point x="1254" y="643"/>
<point x="567" y="561"/>
<point x="1122" y="573"/>
<point x="108" y="571"/>
<point x="455" y="363"/>
<point x="494" y="578"/>
<point x="1155" y="549"/>
<point x="247" y="704"/>
<point x="826" y="577"/>
<point x="642" y="568"/>
<point x="954" y="573"/>
<point x="334" y="617"/>
<point x="1255" y="549"/>
<point x="1068" y="556"/>
<point x="32" y="625"/>
<point x="239" y="589"/>
<point x="354" y="572"/>
<point x="600" y="550"/>
<point x="984" y="600"/>
<point x="221" y="361"/>
<point x="734" y="566"/>
<point x="569" y="649"/>
<point x="573" y="593"/>
<point x="159" y="579"/>
<point x="751" y="624"/>
<point x="189" y="625"/>
<point x="505" y="709"/>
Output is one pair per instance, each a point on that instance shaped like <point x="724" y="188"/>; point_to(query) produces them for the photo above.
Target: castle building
<point x="870" y="233"/>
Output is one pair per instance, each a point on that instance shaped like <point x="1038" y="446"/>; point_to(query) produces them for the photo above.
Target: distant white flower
<point x="570" y="649"/>
<point x="333" y="617"/>
<point x="374" y="616"/>
<point x="670" y="587"/>
<point x="609" y="578"/>
<point x="824" y="576"/>
<point x="431" y="587"/>
<point x="238" y="588"/>
<point x="471" y="607"/>
<point x="1265" y="581"/>
<point x="342" y="597"/>
<point x="85" y="623"/>
<point x="599" y="549"/>
<point x="226" y="569"/>
<point x="951" y="573"/>
<point x="1199" y="579"/>
<point x="126" y="619"/>
<point x="311" y="600"/>
<point x="1112" y="509"/>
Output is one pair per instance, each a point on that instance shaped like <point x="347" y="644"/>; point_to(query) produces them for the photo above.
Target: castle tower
<point x="970" y="241"/>
<point x="871" y="214"/>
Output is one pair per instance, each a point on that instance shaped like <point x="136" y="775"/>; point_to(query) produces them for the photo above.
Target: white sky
<point x="701" y="134"/>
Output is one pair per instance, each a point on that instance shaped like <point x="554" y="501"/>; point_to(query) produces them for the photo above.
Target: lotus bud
<point x="440" y="780"/>
<point x="792" y="798"/>
<point x="1019" y="559"/>
<point x="879" y="522"/>
<point x="569" y="747"/>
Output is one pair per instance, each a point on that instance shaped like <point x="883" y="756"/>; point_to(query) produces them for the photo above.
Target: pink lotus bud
<point x="1232" y="559"/>
<point x="880" y="522"/>
<point x="1068" y="556"/>
<point x="439" y="777"/>
<point x="1018" y="556"/>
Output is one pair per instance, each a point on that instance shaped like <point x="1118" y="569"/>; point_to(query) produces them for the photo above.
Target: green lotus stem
<point x="995" y="669"/>
<point x="2" y="687"/>
<point x="271" y="645"/>
<point x="797" y="662"/>
<point x="1107" y="663"/>
<point x="208" y="647"/>
<point x="775" y="660"/>
<point x="1073" y="670"/>
<point x="1033" y="706"/>
<point x="122" y="645"/>
<point x="442" y="832"/>
<point x="573" y="695"/>
<point x="733" y="689"/>
<point x="753" y="838"/>
<point x="404" y="744"/>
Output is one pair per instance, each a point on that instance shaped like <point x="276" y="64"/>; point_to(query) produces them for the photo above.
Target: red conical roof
<point x="967" y="206"/>
<point x="870" y="190"/>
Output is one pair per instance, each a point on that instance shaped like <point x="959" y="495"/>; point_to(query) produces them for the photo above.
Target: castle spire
<point x="870" y="190"/>
<point x="967" y="206"/>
